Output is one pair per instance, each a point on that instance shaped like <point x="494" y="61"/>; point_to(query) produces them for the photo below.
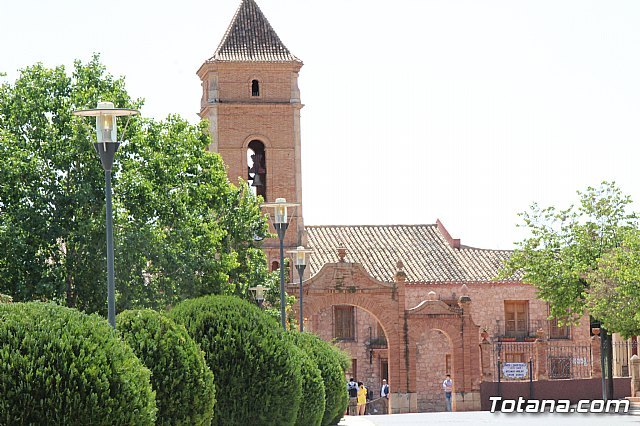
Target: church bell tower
<point x="251" y="98"/>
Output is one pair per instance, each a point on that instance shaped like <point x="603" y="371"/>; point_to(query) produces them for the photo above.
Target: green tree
<point x="614" y="294"/>
<point x="181" y="228"/>
<point x="568" y="248"/>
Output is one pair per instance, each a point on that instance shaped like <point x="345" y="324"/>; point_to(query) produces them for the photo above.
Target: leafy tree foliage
<point x="181" y="229"/>
<point x="614" y="294"/>
<point x="569" y="250"/>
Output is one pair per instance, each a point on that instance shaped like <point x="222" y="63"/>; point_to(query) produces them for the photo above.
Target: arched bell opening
<point x="257" y="168"/>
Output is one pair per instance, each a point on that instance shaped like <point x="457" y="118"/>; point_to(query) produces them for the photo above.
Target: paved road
<point x="487" y="418"/>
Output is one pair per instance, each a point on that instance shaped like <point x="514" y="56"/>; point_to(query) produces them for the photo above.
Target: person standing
<point x="384" y="393"/>
<point x="447" y="386"/>
<point x="362" y="398"/>
<point x="352" y="389"/>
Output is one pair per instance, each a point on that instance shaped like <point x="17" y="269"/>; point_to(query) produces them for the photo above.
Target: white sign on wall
<point x="515" y="370"/>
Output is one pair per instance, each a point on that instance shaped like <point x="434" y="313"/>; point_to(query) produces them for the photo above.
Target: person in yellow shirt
<point x="362" y="398"/>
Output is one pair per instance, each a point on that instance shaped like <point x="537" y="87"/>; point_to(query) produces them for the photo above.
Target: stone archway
<point x="345" y="283"/>
<point x="459" y="334"/>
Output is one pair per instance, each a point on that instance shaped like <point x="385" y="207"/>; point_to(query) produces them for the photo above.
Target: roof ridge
<point x="251" y="38"/>
<point x="372" y="226"/>
<point x="424" y="250"/>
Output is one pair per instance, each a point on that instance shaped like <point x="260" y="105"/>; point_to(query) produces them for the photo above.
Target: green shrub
<point x="185" y="393"/>
<point x="59" y="366"/>
<point x="331" y="363"/>
<point x="258" y="379"/>
<point x="313" y="397"/>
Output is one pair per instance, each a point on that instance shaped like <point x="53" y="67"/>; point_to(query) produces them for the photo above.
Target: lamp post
<point x="300" y="261"/>
<point x="258" y="293"/>
<point x="106" y="148"/>
<point x="281" y="223"/>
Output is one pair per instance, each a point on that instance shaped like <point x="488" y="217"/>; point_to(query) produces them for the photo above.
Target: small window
<point x="514" y="357"/>
<point x="384" y="369"/>
<point x="344" y="322"/>
<point x="556" y="331"/>
<point x="354" y="368"/>
<point x="275" y="265"/>
<point x="255" y="88"/>
<point x="516" y="315"/>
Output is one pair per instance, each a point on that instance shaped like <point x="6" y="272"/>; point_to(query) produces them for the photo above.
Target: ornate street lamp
<point x="106" y="148"/>
<point x="258" y="293"/>
<point x="300" y="260"/>
<point x="280" y="222"/>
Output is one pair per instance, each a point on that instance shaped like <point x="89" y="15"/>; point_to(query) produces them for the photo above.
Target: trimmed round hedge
<point x="330" y="361"/>
<point x="313" y="397"/>
<point x="257" y="375"/>
<point x="185" y="393"/>
<point x="59" y="366"/>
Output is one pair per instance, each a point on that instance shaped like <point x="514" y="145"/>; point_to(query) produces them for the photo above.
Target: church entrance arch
<point x="342" y="289"/>
<point x="423" y="343"/>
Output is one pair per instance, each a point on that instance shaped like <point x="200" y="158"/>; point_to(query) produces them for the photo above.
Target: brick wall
<point x="432" y="348"/>
<point x="236" y="118"/>
<point x="488" y="303"/>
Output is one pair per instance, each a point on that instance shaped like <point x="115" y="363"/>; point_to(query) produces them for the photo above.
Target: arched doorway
<point x="434" y="360"/>
<point x="360" y="334"/>
<point x="342" y="300"/>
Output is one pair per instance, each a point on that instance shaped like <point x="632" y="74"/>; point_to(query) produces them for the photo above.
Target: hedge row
<point x="311" y="409"/>
<point x="332" y="364"/>
<point x="258" y="381"/>
<point x="59" y="366"/>
<point x="185" y="394"/>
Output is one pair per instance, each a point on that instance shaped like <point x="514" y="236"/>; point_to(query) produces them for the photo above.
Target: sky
<point x="415" y="110"/>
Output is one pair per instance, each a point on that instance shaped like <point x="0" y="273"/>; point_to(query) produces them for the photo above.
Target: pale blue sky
<point x="415" y="110"/>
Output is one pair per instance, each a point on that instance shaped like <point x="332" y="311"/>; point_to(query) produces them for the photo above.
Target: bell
<point x="257" y="180"/>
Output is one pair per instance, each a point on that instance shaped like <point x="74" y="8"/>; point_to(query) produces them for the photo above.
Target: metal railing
<point x="509" y="353"/>
<point x="529" y="330"/>
<point x="569" y="362"/>
<point x="622" y="353"/>
<point x="562" y="362"/>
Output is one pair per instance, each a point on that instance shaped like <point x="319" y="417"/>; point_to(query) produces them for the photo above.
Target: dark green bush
<point x="258" y="379"/>
<point x="185" y="393"/>
<point x="59" y="366"/>
<point x="331" y="363"/>
<point x="313" y="396"/>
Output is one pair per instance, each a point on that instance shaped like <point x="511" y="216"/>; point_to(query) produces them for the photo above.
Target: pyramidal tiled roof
<point x="250" y="38"/>
<point x="428" y="256"/>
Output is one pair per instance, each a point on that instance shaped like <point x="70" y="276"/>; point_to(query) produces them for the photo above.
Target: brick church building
<point x="408" y="302"/>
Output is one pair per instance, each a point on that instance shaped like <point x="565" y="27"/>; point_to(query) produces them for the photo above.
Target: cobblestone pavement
<point x="487" y="418"/>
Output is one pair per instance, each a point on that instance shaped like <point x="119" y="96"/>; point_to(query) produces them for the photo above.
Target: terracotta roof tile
<point x="250" y="38"/>
<point x="425" y="252"/>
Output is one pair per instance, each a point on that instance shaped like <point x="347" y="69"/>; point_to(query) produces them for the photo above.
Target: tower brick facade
<point x="250" y="93"/>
